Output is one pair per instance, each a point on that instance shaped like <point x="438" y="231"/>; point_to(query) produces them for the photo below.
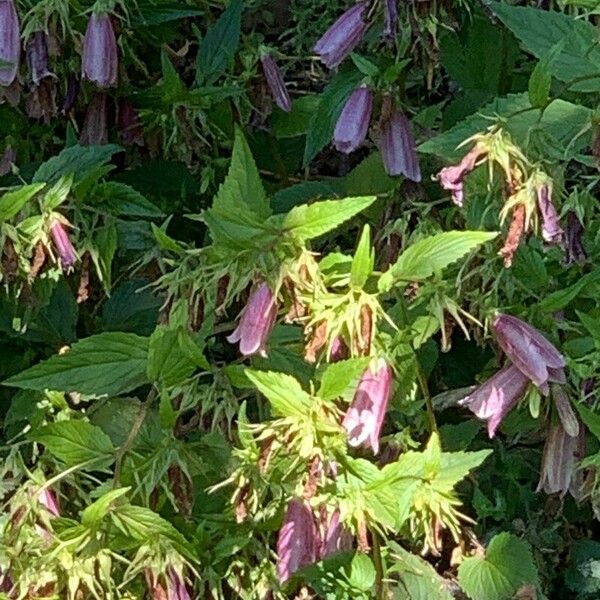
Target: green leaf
<point x="332" y="102"/>
<point x="369" y="177"/>
<point x="219" y="44"/>
<point x="590" y="418"/>
<point x="13" y="201"/>
<point x="508" y="565"/>
<point x="432" y="254"/>
<point x="362" y="572"/>
<point x="107" y="363"/>
<point x="147" y="15"/>
<point x="309" y="221"/>
<point x="75" y="160"/>
<point x="540" y="30"/>
<point x="75" y="442"/>
<point x="297" y="121"/>
<point x="363" y="261"/>
<point x="93" y="514"/>
<point x="539" y="85"/>
<point x="592" y="324"/>
<point x="105" y="247"/>
<point x="284" y="393"/>
<point x="418" y="579"/>
<point x="127" y="201"/>
<point x="339" y="380"/>
<point x="58" y="193"/>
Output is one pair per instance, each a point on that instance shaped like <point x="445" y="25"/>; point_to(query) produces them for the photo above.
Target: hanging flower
<point x="574" y="249"/>
<point x="551" y="229"/>
<point x="100" y="59"/>
<point x="334" y="536"/>
<point x="276" y="83"/>
<point x="353" y="123"/>
<point x="37" y="57"/>
<point x="10" y="42"/>
<point x="390" y="20"/>
<point x="95" y="126"/>
<point x="256" y="322"/>
<point x="63" y="245"/>
<point x="364" y="418"/>
<point x="343" y="36"/>
<point x="398" y="149"/>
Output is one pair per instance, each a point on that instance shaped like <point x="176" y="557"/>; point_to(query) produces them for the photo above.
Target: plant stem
<point x="133" y="433"/>
<point x="377" y="561"/>
<point x="426" y="395"/>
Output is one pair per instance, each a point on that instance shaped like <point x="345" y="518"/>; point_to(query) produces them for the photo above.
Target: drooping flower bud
<point x="551" y="229"/>
<point x="574" y="250"/>
<point x="495" y="398"/>
<point x="100" y="60"/>
<point x="63" y="245"/>
<point x="297" y="544"/>
<point x="37" y="57"/>
<point x="390" y="16"/>
<point x="353" y="123"/>
<point x="256" y="322"/>
<point x="452" y="178"/>
<point x="364" y="418"/>
<point x="397" y="146"/>
<point x="10" y="41"/>
<point x="71" y="94"/>
<point x="343" y="36"/>
<point x="95" y="125"/>
<point x="276" y="83"/>
<point x="130" y="128"/>
<point x="49" y="500"/>
<point x="176" y="588"/>
<point x="339" y="350"/>
<point x="529" y="351"/>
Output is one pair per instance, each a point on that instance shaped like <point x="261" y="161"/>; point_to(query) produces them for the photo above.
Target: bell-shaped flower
<point x="334" y="536"/>
<point x="10" y="42"/>
<point x="276" y="83"/>
<point x="390" y="20"/>
<point x="364" y="417"/>
<point x="529" y="351"/>
<point x="256" y="322"/>
<point x="495" y="398"/>
<point x="397" y="146"/>
<point x="49" y="500"/>
<point x="176" y="588"/>
<point x="353" y="123"/>
<point x="100" y="60"/>
<point x="64" y="247"/>
<point x="343" y="36"/>
<point x="37" y="57"/>
<point x="551" y="229"/>
<point x="574" y="249"/>
<point x="298" y="542"/>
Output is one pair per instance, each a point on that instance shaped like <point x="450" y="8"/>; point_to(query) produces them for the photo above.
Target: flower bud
<point x="297" y="543"/>
<point x="353" y="123"/>
<point x="63" y="245"/>
<point x="390" y="17"/>
<point x="100" y="58"/>
<point x="364" y="418"/>
<point x="574" y="250"/>
<point x="256" y="322"/>
<point x="551" y="229"/>
<point x="529" y="351"/>
<point x="276" y="83"/>
<point x="49" y="500"/>
<point x="397" y="146"/>
<point x="176" y="588"/>
<point x="495" y="398"/>
<point x="343" y="36"/>
<point x="10" y="42"/>
<point x="37" y="57"/>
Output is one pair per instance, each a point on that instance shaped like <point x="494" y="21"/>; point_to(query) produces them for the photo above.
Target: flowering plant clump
<point x="299" y="300"/>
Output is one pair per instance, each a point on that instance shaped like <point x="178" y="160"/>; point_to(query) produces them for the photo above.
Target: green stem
<point x="427" y="396"/>
<point x="378" y="562"/>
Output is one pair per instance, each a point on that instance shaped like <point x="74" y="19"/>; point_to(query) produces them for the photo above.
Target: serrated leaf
<point x="363" y="261"/>
<point x="362" y="572"/>
<point x="590" y="418"/>
<point x="309" y="221"/>
<point x="339" y="380"/>
<point x="508" y="564"/>
<point x="219" y="44"/>
<point x="105" y="247"/>
<point x="169" y="362"/>
<point x="75" y="442"/>
<point x="93" y="514"/>
<point x="13" y="201"/>
<point x="539" y="84"/>
<point x="75" y="160"/>
<point x="125" y="200"/>
<point x="107" y="363"/>
<point x="283" y="392"/>
<point x="432" y="254"/>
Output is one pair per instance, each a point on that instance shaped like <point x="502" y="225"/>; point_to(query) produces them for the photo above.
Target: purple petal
<point x="37" y="57"/>
<point x="353" y="123"/>
<point x="565" y="411"/>
<point x="10" y="41"/>
<point x="551" y="229"/>
<point x="100" y="59"/>
<point x="276" y="83"/>
<point x="397" y="146"/>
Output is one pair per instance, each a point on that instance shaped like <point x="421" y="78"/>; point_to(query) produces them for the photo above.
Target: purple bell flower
<point x="364" y="417"/>
<point x="397" y="146"/>
<point x="276" y="83"/>
<point x="343" y="36"/>
<point x="49" y="500"/>
<point x="353" y="123"/>
<point x="574" y="250"/>
<point x="529" y="351"/>
<point x="37" y="57"/>
<point x="495" y="398"/>
<point x="390" y="18"/>
<point x="176" y="588"/>
<point x="95" y="125"/>
<point x="71" y="94"/>
<point x="334" y="537"/>
<point x="256" y="322"/>
<point x="551" y="229"/>
<point x="298" y="542"/>
<point x="566" y="414"/>
<point x="100" y="59"/>
<point x="63" y="245"/>
<point x="10" y="42"/>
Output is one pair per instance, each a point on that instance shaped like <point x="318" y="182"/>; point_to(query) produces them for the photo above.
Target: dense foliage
<point x="299" y="299"/>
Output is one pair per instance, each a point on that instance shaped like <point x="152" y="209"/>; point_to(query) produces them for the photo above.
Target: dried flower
<point x="37" y="57"/>
<point x="551" y="229"/>
<point x="334" y="536"/>
<point x="7" y="160"/>
<point x="95" y="126"/>
<point x="574" y="250"/>
<point x="298" y="542"/>
<point x="397" y="146"/>
<point x="561" y="453"/>
<point x="276" y="83"/>
<point x="10" y="41"/>
<point x="339" y="350"/>
<point x="63" y="245"/>
<point x="71" y="94"/>
<point x="364" y="417"/>
<point x="343" y="36"/>
<point x="256" y="322"/>
<point x="566" y="414"/>
<point x="495" y="398"/>
<point x="176" y="588"/>
<point x="529" y="351"/>
<point x="353" y="123"/>
<point x="100" y="58"/>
